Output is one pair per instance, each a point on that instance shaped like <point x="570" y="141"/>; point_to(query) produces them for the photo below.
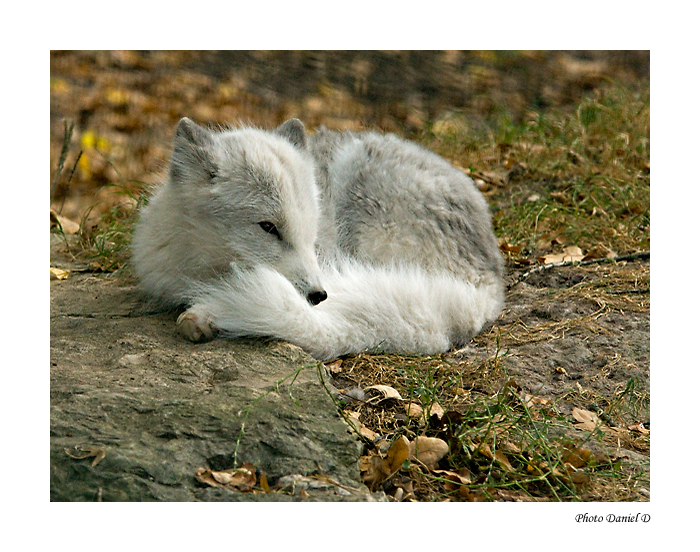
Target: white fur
<point x="403" y="309"/>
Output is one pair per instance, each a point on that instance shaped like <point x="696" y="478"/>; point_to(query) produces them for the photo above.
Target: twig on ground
<point x="644" y="255"/>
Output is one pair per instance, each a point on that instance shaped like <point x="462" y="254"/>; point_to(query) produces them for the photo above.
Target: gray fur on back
<point x="392" y="201"/>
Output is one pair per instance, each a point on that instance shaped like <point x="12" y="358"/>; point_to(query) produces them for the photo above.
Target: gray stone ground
<point x="124" y="381"/>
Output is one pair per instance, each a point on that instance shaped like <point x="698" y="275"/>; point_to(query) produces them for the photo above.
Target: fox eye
<point x="270" y="229"/>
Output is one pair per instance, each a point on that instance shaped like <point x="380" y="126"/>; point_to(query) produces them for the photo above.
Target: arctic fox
<point x="338" y="242"/>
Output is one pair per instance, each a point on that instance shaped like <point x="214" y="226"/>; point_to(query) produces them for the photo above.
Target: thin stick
<point x="644" y="255"/>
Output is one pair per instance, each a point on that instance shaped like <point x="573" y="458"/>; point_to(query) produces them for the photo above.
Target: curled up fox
<point x="338" y="242"/>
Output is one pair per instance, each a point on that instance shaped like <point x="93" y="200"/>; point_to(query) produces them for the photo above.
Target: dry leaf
<point x="509" y="248"/>
<point x="579" y="477"/>
<point x="59" y="273"/>
<point x="639" y="427"/>
<point x="264" y="485"/>
<point x="577" y="457"/>
<point x="236" y="479"/>
<point x="374" y="470"/>
<point x="484" y="449"/>
<point x="90" y="450"/>
<point x="428" y="450"/>
<point x="335" y="367"/>
<point x="354" y="420"/>
<point x="458" y="480"/>
<point x="398" y="453"/>
<point x="588" y="421"/>
<point x="68" y="226"/>
<point x="436" y="410"/>
<point x="462" y="476"/>
<point x="510" y="447"/>
<point x="572" y="253"/>
<point x="502" y="461"/>
<point x="600" y="252"/>
<point x="385" y="392"/>
<point x="414" y="410"/>
<point x="534" y="400"/>
<point x="368" y="434"/>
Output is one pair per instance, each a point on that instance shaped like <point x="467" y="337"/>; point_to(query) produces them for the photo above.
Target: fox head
<point x="249" y="197"/>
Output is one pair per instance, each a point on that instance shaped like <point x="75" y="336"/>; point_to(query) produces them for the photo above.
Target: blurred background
<point x="124" y="105"/>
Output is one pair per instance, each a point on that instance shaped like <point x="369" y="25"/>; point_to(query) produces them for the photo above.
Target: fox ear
<point x="294" y="131"/>
<point x="191" y="132"/>
<point x="192" y="152"/>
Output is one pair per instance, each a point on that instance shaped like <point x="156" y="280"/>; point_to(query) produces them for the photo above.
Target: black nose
<point x="315" y="297"/>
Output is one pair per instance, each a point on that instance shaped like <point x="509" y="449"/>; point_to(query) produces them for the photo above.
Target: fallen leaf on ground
<point x="436" y="410"/>
<point x="398" y="453"/>
<point x="264" y="485"/>
<point x="534" y="400"/>
<point x="461" y="476"/>
<point x="600" y="252"/>
<point x="90" y="450"/>
<point x="385" y="392"/>
<point x="59" y="273"/>
<point x="335" y="367"/>
<point x="456" y="481"/>
<point x="638" y="427"/>
<point x="502" y="461"/>
<point x="510" y="248"/>
<point x="572" y="253"/>
<point x="374" y="470"/>
<point x="414" y="410"/>
<point x="577" y="457"/>
<point x="588" y="421"/>
<point x="66" y="225"/>
<point x="485" y="450"/>
<point x="510" y="447"/>
<point x="236" y="479"/>
<point x="579" y="477"/>
<point x="428" y="450"/>
<point x="364" y="431"/>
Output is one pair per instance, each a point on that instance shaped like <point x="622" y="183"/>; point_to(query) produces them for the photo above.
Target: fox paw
<point x="195" y="326"/>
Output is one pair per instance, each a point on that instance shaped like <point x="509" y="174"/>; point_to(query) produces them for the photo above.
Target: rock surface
<point x="124" y="383"/>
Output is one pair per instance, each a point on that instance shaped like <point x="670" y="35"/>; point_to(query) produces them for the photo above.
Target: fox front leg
<point x="195" y="325"/>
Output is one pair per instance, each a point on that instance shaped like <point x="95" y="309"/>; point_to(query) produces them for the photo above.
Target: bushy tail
<point x="398" y="309"/>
